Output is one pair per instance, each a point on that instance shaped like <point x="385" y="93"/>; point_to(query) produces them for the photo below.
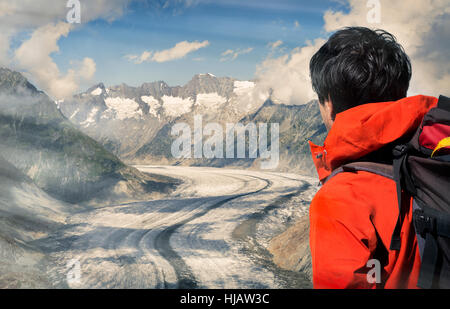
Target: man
<point x="362" y="77"/>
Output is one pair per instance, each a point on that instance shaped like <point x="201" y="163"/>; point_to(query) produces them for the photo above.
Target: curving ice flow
<point x="204" y="236"/>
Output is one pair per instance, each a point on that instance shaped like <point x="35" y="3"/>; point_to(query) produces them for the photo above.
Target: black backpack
<point x="421" y="169"/>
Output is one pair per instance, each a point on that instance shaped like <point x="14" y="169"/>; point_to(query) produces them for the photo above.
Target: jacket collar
<point x="364" y="129"/>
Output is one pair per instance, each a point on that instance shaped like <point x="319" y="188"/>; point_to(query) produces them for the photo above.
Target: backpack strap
<point x="444" y="103"/>
<point x="403" y="180"/>
<point x="384" y="170"/>
<point x="429" y="224"/>
<point x="393" y="172"/>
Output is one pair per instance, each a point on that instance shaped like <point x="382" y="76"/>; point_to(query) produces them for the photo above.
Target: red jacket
<point x="354" y="214"/>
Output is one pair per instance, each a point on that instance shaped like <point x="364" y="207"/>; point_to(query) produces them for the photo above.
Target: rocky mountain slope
<point x="26" y="214"/>
<point x="290" y="249"/>
<point x="135" y="123"/>
<point x="37" y="139"/>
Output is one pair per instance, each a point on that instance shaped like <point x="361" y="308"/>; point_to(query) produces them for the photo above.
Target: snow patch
<point x="153" y="104"/>
<point x="176" y="106"/>
<point x="90" y="118"/>
<point x="123" y="108"/>
<point x="97" y="91"/>
<point x="210" y="100"/>
<point x="243" y="87"/>
<point x="75" y="113"/>
<point x="58" y="103"/>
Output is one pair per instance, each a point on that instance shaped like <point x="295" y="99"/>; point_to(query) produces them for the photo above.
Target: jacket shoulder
<point x="349" y="190"/>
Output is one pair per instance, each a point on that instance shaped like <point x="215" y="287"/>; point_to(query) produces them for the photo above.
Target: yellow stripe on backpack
<point x="442" y="144"/>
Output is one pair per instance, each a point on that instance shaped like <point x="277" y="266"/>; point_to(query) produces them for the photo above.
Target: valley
<point x="92" y="197"/>
<point x="213" y="232"/>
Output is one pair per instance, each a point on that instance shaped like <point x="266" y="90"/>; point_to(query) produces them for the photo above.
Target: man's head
<point x="357" y="66"/>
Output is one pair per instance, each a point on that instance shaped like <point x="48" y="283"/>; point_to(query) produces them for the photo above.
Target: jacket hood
<point x="364" y="129"/>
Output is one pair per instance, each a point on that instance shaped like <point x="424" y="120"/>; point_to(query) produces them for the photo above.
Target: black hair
<point x="358" y="65"/>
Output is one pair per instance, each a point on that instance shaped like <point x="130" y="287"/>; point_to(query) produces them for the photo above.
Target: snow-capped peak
<point x="97" y="91"/>
<point x="207" y="74"/>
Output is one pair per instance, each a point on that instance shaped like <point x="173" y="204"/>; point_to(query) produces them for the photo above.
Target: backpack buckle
<point x="423" y="224"/>
<point x="401" y="150"/>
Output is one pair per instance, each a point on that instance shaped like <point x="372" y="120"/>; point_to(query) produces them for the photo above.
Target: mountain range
<point x="135" y="123"/>
<point x="37" y="139"/>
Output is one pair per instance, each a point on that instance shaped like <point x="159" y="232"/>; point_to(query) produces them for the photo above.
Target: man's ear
<point x="330" y="109"/>
<point x="326" y="111"/>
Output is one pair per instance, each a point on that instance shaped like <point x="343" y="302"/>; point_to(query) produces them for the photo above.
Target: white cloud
<point x="275" y="44"/>
<point x="20" y="14"/>
<point x="40" y="18"/>
<point x="180" y="50"/>
<point x="288" y="76"/>
<point x="4" y="47"/>
<point x="421" y="26"/>
<point x="138" y="59"/>
<point x="6" y="8"/>
<point x="227" y="52"/>
<point x="33" y="56"/>
<point x="87" y="69"/>
<point x="231" y="55"/>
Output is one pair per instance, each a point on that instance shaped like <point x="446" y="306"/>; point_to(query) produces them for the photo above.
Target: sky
<point x="246" y="29"/>
<point x="137" y="41"/>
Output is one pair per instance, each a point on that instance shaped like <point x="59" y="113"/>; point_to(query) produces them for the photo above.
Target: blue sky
<point x="225" y="24"/>
<point x="137" y="41"/>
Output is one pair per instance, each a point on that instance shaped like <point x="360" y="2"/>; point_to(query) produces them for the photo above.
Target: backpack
<point x="421" y="170"/>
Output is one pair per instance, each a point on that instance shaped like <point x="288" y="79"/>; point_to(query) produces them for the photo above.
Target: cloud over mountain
<point x="180" y="50"/>
<point x="422" y="28"/>
<point x="45" y="20"/>
<point x="34" y="57"/>
<point x="288" y="76"/>
<point x="418" y="25"/>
